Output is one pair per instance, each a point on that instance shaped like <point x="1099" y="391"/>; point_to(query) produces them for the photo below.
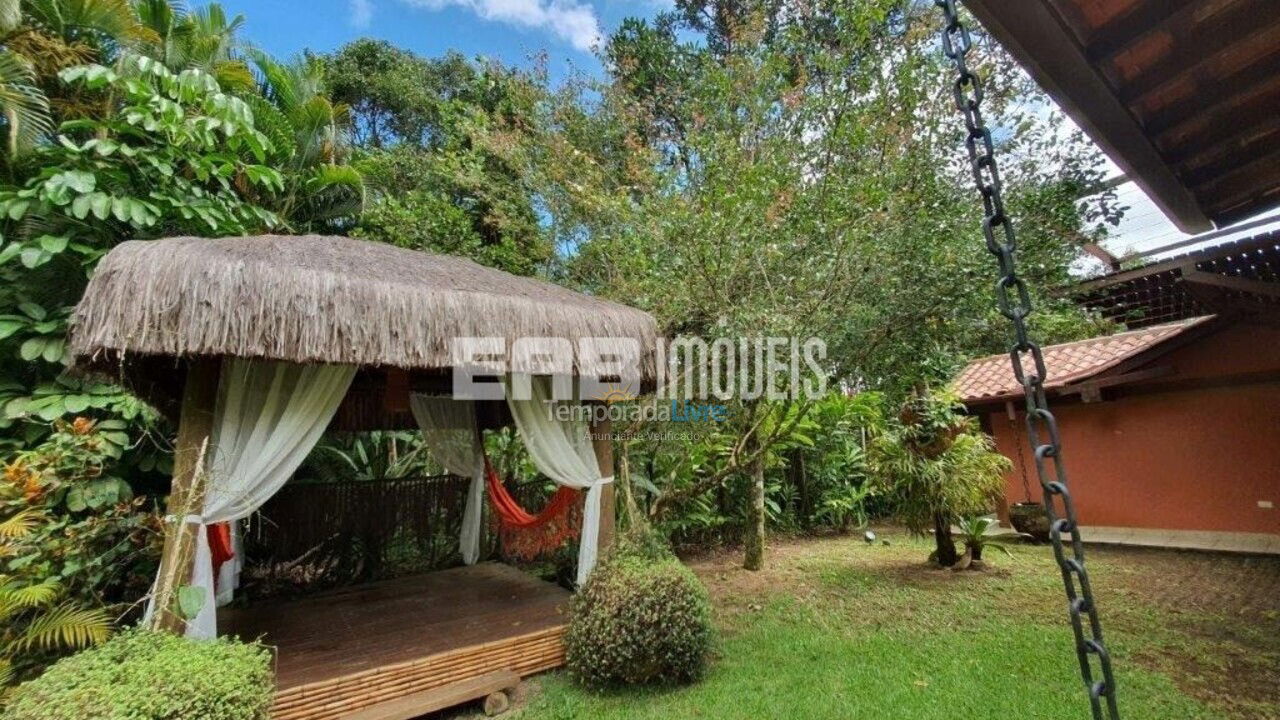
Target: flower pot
<point x="1029" y="518"/>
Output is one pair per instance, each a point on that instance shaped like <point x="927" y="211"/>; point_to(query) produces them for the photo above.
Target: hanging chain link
<point x="1015" y="304"/>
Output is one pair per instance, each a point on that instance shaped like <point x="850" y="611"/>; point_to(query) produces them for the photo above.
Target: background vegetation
<point x="745" y="168"/>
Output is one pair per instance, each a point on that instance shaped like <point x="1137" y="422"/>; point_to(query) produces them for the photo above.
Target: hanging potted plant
<point x="1029" y="518"/>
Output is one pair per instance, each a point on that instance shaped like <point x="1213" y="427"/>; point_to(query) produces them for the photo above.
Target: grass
<point x="834" y="628"/>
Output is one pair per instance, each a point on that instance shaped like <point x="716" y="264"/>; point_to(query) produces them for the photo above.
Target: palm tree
<point x="204" y="39"/>
<point x="296" y="112"/>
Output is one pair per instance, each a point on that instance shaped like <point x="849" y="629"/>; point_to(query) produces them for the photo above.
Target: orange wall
<point x="1181" y="460"/>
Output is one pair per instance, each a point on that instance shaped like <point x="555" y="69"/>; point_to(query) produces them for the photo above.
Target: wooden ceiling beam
<point x="1200" y="46"/>
<point x="1110" y="39"/>
<point x="1220" y="97"/>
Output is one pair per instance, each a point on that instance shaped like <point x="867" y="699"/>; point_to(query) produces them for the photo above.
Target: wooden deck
<point x="345" y="650"/>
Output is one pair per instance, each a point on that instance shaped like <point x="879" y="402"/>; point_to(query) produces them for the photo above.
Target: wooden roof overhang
<point x="1184" y="95"/>
<point x="1236" y="278"/>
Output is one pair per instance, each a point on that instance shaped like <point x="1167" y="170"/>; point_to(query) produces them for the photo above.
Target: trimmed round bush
<point x="641" y="618"/>
<point x="142" y="675"/>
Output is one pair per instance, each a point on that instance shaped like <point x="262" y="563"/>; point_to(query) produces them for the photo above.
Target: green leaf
<point x="32" y="310"/>
<point x="76" y="500"/>
<point x="10" y="326"/>
<point x="33" y="257"/>
<point x="76" y="403"/>
<point x="54" y="350"/>
<point x="31" y="349"/>
<point x="18" y="208"/>
<point x="56" y="243"/>
<point x="190" y="600"/>
<point x="80" y="206"/>
<point x="100" y="205"/>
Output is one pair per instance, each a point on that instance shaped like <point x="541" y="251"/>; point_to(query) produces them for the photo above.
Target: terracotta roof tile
<point x="992" y="377"/>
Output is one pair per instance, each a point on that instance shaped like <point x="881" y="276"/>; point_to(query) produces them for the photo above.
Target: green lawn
<point x="834" y="628"/>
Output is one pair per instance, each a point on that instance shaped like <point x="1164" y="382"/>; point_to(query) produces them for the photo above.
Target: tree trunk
<point x="946" y="547"/>
<point x="804" y="509"/>
<point x="754" y="539"/>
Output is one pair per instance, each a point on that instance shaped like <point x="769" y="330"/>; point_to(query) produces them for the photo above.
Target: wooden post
<point x="602" y="442"/>
<point x="186" y="493"/>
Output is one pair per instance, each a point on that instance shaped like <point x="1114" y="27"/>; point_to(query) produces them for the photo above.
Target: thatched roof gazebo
<point x="258" y="344"/>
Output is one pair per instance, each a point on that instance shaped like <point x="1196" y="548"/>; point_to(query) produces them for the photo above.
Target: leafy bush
<point x="81" y="526"/>
<point x="641" y="618"/>
<point x="138" y="675"/>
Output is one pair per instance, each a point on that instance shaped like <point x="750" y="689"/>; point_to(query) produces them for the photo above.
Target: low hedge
<point x="141" y="675"/>
<point x="641" y="618"/>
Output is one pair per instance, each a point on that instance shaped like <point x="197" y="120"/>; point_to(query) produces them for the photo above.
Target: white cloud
<point x="570" y="20"/>
<point x="361" y="13"/>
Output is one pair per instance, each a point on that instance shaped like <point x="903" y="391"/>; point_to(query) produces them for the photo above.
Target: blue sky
<point x="508" y="30"/>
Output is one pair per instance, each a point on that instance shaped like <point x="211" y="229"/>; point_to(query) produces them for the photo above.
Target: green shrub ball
<point x="639" y="620"/>
<point x="139" y="675"/>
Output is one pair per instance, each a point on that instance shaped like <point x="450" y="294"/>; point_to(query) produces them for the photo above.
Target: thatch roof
<point x="324" y="299"/>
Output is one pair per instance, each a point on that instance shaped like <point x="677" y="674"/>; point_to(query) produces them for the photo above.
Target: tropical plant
<point x="321" y="190"/>
<point x="976" y="534"/>
<point x="74" y="543"/>
<point x="34" y="625"/>
<point x="174" y="156"/>
<point x="375" y="455"/>
<point x="935" y="467"/>
<point x="203" y="39"/>
<point x="844" y="505"/>
<point x="25" y="108"/>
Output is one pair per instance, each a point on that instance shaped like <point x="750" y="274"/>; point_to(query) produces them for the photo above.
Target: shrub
<point x="641" y="618"/>
<point x="141" y="675"/>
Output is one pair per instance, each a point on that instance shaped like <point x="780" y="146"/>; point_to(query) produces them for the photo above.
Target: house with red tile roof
<point x="1169" y="432"/>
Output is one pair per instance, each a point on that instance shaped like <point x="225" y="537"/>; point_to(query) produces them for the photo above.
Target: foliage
<point x="376" y="455"/>
<point x="936" y="467"/>
<point x="450" y="151"/>
<point x="762" y="170"/>
<point x="82" y="526"/>
<point x="141" y="674"/>
<point x="979" y="533"/>
<point x="34" y="625"/>
<point x="73" y="541"/>
<point x="641" y="618"/>
<point x="173" y="156"/>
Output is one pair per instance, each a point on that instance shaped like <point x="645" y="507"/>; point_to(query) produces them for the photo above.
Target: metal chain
<point x="1015" y="304"/>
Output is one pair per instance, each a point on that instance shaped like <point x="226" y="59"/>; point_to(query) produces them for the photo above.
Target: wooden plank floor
<point x="491" y="610"/>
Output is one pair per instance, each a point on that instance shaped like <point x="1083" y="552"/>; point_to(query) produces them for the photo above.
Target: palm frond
<point x="25" y="107"/>
<point x="65" y="626"/>
<point x="20" y="524"/>
<point x="10" y="18"/>
<point x="14" y="598"/>
<point x="115" y="19"/>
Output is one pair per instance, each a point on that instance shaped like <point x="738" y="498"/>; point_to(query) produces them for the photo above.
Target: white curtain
<point x="562" y="450"/>
<point x="449" y="429"/>
<point x="267" y="418"/>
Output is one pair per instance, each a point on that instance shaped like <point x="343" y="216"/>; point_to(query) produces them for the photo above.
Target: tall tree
<point x="797" y="174"/>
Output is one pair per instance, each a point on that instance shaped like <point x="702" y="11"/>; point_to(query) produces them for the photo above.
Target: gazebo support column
<point x="186" y="495"/>
<point x="602" y="442"/>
